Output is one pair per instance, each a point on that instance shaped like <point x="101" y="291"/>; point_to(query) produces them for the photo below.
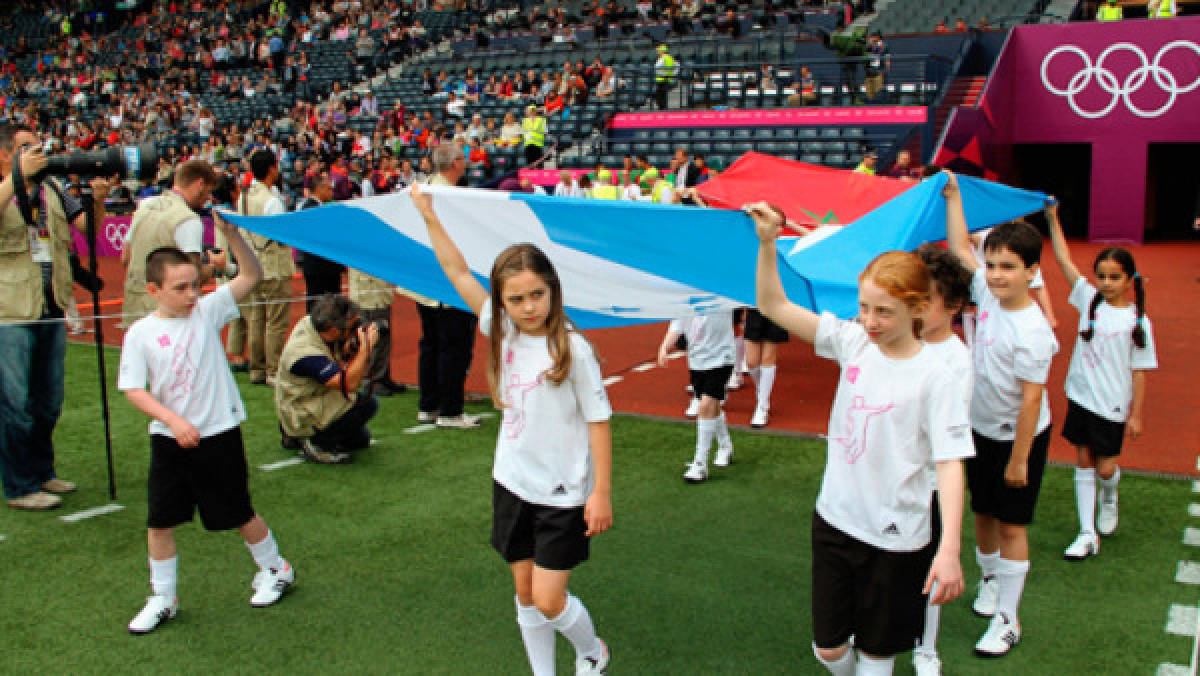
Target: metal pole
<point x="97" y="324"/>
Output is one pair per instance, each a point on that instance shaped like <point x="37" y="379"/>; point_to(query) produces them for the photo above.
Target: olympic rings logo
<point x="115" y="234"/>
<point x="1120" y="91"/>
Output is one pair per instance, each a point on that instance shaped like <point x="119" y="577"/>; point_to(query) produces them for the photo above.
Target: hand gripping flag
<point x="624" y="263"/>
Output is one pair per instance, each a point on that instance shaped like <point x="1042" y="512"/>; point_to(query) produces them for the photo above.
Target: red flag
<point x="809" y="194"/>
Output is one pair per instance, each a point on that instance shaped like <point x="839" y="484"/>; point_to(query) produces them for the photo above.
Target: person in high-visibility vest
<point x="1161" y="9"/>
<point x="533" y="132"/>
<point x="665" y="70"/>
<point x="604" y="188"/>
<point x="1109" y="11"/>
<point x="662" y="192"/>
<point x="867" y="166"/>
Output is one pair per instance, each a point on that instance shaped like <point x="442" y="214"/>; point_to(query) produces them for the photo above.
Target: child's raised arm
<point x="1059" y="242"/>
<point x="771" y="300"/>
<point x="250" y="271"/>
<point x="448" y="255"/>
<point x="957" y="239"/>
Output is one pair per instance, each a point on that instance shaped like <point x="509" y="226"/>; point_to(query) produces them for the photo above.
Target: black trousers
<point x="321" y="276"/>
<point x="445" y="349"/>
<point x="660" y="94"/>
<point x="379" y="367"/>
<point x="349" y="432"/>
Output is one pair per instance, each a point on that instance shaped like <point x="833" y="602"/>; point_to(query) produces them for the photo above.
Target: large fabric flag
<point x="627" y="262"/>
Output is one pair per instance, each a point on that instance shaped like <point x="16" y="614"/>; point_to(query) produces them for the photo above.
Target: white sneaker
<point x="693" y="408"/>
<point x="269" y="585"/>
<point x="1085" y="545"/>
<point x="759" y="419"/>
<point x="426" y="417"/>
<point x="158" y="610"/>
<point x="1000" y="637"/>
<point x="735" y="382"/>
<point x="1106" y="517"/>
<point x="593" y="665"/>
<point x="466" y="421"/>
<point x="925" y="664"/>
<point x="985" y="601"/>
<point x="696" y="472"/>
<point x="724" y="456"/>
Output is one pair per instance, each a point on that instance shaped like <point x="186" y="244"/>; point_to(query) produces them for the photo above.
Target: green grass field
<point x="395" y="573"/>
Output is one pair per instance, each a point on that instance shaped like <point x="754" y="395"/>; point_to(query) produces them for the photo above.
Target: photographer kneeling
<point x="316" y="399"/>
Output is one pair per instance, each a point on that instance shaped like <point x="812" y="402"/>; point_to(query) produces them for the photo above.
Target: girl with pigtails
<point x="1106" y="381"/>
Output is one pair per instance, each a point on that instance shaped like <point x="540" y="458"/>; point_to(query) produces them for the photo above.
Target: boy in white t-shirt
<point x="1010" y="416"/>
<point x="197" y="458"/>
<point x="710" y="354"/>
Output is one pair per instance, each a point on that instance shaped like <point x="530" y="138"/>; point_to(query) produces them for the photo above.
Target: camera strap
<point x="21" y="194"/>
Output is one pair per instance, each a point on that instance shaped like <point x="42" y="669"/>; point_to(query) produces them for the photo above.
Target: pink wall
<point x="1142" y="87"/>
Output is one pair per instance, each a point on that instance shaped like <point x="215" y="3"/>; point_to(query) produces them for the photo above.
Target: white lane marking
<point x="1196" y="486"/>
<point x="94" y="511"/>
<point x="642" y="368"/>
<point x="1181" y="620"/>
<point x="1191" y="536"/>
<point x="1194" y="510"/>
<point x="272" y="466"/>
<point x="677" y="355"/>
<point x="1172" y="670"/>
<point x="423" y="427"/>
<point x="613" y="380"/>
<point x="1188" y="572"/>
<point x="2" y="538"/>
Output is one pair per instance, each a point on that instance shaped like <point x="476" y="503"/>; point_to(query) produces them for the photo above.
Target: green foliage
<point x="395" y="573"/>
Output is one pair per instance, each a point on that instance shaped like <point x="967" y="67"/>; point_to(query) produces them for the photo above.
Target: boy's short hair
<point x="951" y="277"/>
<point x="158" y="260"/>
<point x="1018" y="237"/>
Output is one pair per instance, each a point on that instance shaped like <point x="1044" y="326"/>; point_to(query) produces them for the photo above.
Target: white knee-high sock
<point x="1011" y="576"/>
<point x="706" y="428"/>
<point x="1085" y="498"/>
<point x="164" y="576"/>
<point x="933" y="618"/>
<point x="987" y="562"/>
<point x="576" y="625"/>
<point x="873" y="666"/>
<point x="766" y="381"/>
<point x="1108" y="487"/>
<point x="754" y="375"/>
<point x="266" y="553"/>
<point x="723" y="439"/>
<point x="538" y="637"/>
<point x="842" y="666"/>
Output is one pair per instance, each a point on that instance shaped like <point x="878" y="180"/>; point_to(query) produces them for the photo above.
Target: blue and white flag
<point x="620" y="263"/>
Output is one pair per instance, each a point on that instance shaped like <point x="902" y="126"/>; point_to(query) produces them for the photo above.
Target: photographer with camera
<point x="374" y="296"/>
<point x="37" y="269"/>
<point x="322" y="365"/>
<point x="169" y="219"/>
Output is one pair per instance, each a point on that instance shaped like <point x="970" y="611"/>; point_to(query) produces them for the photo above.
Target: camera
<point x="352" y="344"/>
<point x="126" y="162"/>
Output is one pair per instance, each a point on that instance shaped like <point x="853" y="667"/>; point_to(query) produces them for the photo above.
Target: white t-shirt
<point x="890" y="419"/>
<point x="1100" y="377"/>
<point x="1009" y="347"/>
<point x="572" y="190"/>
<point x="954" y="354"/>
<point x="183" y="360"/>
<point x="543" y="455"/>
<point x="710" y="341"/>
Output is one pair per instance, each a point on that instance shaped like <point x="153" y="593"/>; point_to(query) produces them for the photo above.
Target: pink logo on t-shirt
<point x="508" y="356"/>
<point x="852" y="374"/>
<point x="858" y="416"/>
<point x="164" y="340"/>
<point x="1091" y="348"/>
<point x="514" y="416"/>
<point x="183" y="372"/>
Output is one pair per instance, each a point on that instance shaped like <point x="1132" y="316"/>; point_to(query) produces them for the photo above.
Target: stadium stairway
<point x="964" y="91"/>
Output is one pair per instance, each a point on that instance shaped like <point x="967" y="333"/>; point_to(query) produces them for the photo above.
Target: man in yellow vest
<point x="168" y="219"/>
<point x="867" y="166"/>
<point x="267" y="317"/>
<point x="1109" y="11"/>
<point x="533" y="132"/>
<point x="604" y="188"/>
<point x="662" y="191"/>
<point x="665" y="70"/>
<point x="321" y="413"/>
<point x="35" y="264"/>
<point x="1161" y="9"/>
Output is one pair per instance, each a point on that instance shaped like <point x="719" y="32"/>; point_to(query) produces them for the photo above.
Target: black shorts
<point x="211" y="477"/>
<point x="1101" y="436"/>
<point x="759" y="329"/>
<point x="710" y="381"/>
<point x="870" y="593"/>
<point x="552" y="536"/>
<point x="990" y="495"/>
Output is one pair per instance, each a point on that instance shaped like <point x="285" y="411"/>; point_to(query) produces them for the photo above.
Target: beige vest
<point x="371" y="293"/>
<point x="276" y="258"/>
<point x="154" y="225"/>
<point x="305" y="405"/>
<point x="21" y="296"/>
